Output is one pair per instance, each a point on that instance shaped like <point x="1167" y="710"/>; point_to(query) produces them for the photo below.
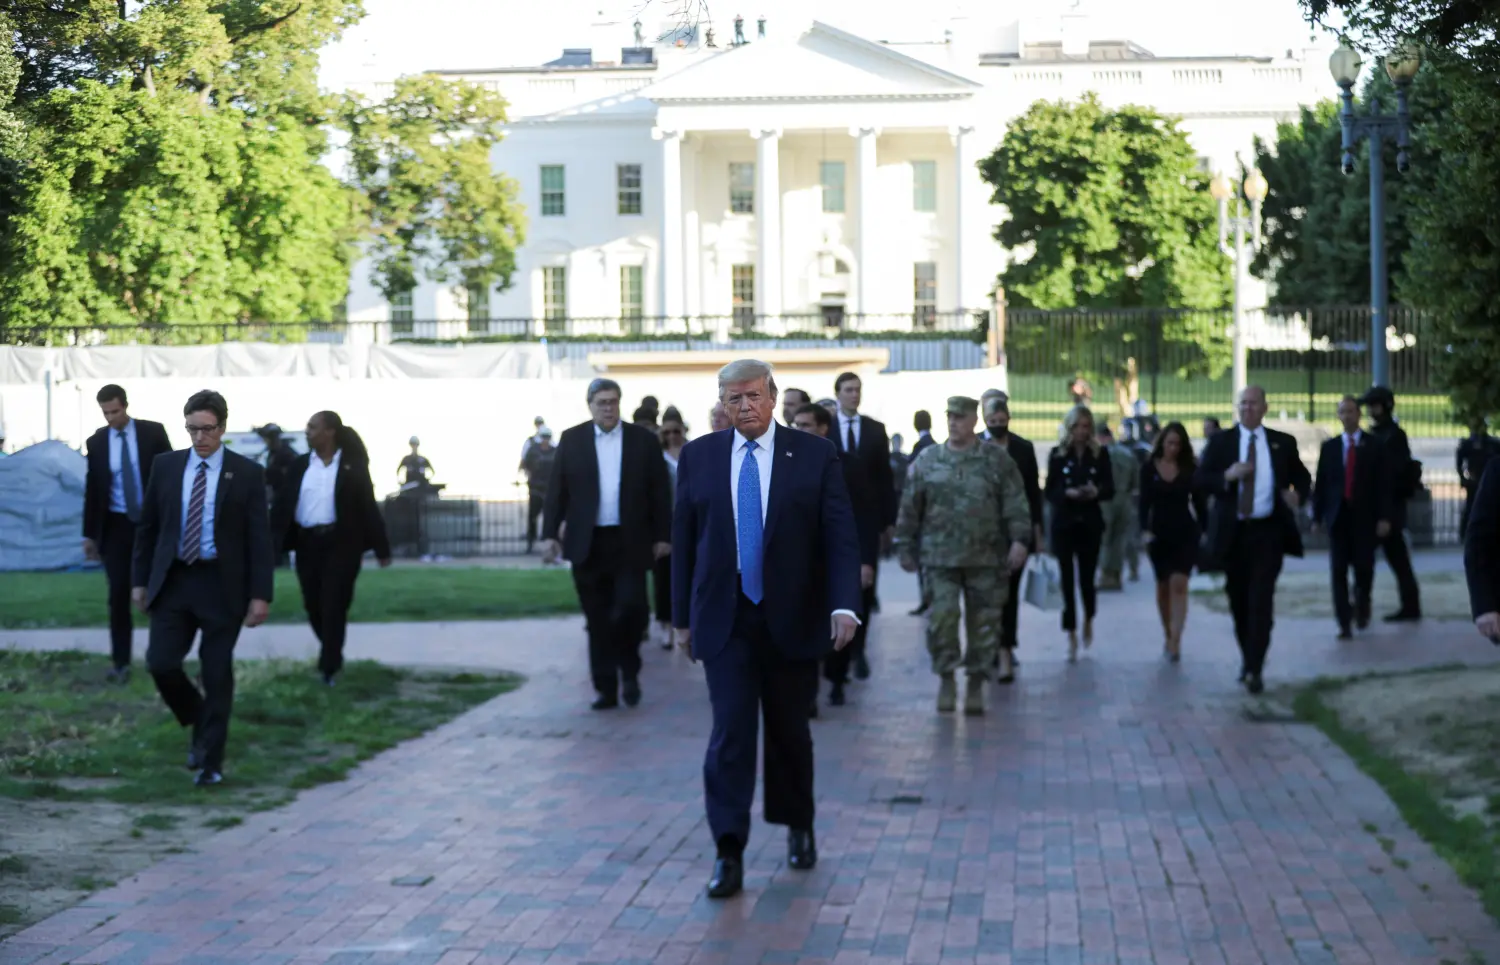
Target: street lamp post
<point x="1401" y="66"/>
<point x="1254" y="190"/>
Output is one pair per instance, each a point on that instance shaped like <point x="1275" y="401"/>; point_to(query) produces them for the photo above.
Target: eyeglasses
<point x="201" y="430"/>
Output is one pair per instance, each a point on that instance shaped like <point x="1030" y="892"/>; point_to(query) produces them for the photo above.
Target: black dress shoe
<point x="631" y="692"/>
<point x="836" y="695"/>
<point x="1345" y="633"/>
<point x="1255" y="685"/>
<point x="329" y="679"/>
<point x="207" y="778"/>
<point x="801" y="850"/>
<point x="605" y="703"/>
<point x="728" y="878"/>
<point x="194" y="755"/>
<point x="119" y="675"/>
<point x="918" y="611"/>
<point x="1244" y="674"/>
<point x="861" y="668"/>
<point x="1404" y="616"/>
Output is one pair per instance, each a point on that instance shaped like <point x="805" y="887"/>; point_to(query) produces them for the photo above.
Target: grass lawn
<point x="1431" y="739"/>
<point x="1445" y="595"/>
<point x="400" y="593"/>
<point x="92" y="779"/>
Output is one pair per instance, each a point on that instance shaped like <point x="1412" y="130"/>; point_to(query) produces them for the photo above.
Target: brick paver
<point x="1122" y="810"/>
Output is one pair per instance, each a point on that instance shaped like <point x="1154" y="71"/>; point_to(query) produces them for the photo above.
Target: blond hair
<point x="1071" y="420"/>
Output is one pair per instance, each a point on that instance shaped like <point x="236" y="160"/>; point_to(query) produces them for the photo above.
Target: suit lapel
<point x="781" y="470"/>
<point x="226" y="479"/>
<point x="173" y="509"/>
<point x="590" y="464"/>
<point x="720" y="453"/>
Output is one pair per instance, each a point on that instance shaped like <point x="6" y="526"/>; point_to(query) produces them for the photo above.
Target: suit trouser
<point x="1250" y="581"/>
<point x="115" y="548"/>
<point x="1399" y="557"/>
<point x="1075" y="541"/>
<point x="1118" y="545"/>
<point x="749" y="681"/>
<point x="1010" y="614"/>
<point x="192" y="601"/>
<point x="326" y="572"/>
<point x="535" y="499"/>
<point x="1346" y="548"/>
<point x="614" y="604"/>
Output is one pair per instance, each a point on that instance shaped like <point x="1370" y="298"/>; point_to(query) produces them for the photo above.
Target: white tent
<point x="41" y="508"/>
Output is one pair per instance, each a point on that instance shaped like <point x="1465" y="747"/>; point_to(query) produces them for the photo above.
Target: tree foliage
<point x="1107" y="208"/>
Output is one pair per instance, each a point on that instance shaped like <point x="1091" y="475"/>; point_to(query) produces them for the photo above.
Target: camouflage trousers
<point x="982" y="590"/>
<point x="1121" y="538"/>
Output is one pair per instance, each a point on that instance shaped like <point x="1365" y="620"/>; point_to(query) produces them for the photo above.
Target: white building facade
<point x="811" y="181"/>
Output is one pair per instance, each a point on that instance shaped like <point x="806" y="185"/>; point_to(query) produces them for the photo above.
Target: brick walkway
<point x="1118" y="811"/>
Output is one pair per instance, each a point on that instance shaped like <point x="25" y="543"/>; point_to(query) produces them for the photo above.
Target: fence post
<point x="1155" y="354"/>
<point x="1309" y="359"/>
<point x="994" y="345"/>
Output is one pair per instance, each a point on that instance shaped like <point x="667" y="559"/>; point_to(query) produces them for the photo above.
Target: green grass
<point x="67" y="735"/>
<point x="1445" y="596"/>
<point x="1467" y="843"/>
<point x="398" y="594"/>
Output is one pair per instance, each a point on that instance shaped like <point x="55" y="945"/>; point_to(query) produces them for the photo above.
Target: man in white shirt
<point x="1257" y="480"/>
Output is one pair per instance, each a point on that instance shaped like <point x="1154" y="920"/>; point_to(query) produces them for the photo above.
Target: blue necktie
<point x="751" y="577"/>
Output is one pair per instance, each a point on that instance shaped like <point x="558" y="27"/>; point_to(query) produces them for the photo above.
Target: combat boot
<point x="974" y="696"/>
<point x="947" y="694"/>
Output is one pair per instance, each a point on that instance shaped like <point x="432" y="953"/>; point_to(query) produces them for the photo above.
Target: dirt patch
<point x="71" y="849"/>
<point x="1443" y="726"/>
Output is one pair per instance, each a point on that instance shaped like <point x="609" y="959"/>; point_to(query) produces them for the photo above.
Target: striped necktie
<point x="192" y="528"/>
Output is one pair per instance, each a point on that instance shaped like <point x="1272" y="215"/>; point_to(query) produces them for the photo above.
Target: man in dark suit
<point x="818" y="421"/>
<point x="1482" y="554"/>
<point x="203" y="562"/>
<point x="866" y="438"/>
<point x="120" y="455"/>
<point x="1405" y="474"/>
<point x="765" y="582"/>
<point x="609" y="501"/>
<point x="1023" y="453"/>
<point x="922" y="422"/>
<point x="1257" y="481"/>
<point x="792" y="401"/>
<point x="1352" y="502"/>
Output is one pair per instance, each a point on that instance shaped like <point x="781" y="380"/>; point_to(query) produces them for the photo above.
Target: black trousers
<point x="117" y="544"/>
<point x="1347" y="547"/>
<point x="750" y="681"/>
<point x="614" y="603"/>
<point x="327" y="572"/>
<point x="191" y="602"/>
<point x="535" y="499"/>
<point x="661" y="588"/>
<point x="1077" y="544"/>
<point x="1250" y="580"/>
<point x="1399" y="557"/>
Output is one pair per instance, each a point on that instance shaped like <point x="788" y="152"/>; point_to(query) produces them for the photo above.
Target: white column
<point x="864" y="218"/>
<point x="768" y="225"/>
<point x="669" y="255"/>
<point x="963" y="170"/>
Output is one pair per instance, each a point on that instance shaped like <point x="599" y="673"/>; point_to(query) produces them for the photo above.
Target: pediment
<point x="820" y="63"/>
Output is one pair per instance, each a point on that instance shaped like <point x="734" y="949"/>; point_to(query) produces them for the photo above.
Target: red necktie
<point x="1349" y="470"/>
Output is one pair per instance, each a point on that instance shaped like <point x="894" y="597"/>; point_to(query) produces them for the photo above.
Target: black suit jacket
<point x="1372" y="486"/>
<point x="242" y="533"/>
<point x="1223" y="451"/>
<point x="866" y="508"/>
<point x="875" y="456"/>
<point x="923" y="441"/>
<point x="150" y="441"/>
<point x="1023" y="453"/>
<point x="1482" y="544"/>
<point x="358" y="525"/>
<point x="1397" y="461"/>
<point x="645" y="494"/>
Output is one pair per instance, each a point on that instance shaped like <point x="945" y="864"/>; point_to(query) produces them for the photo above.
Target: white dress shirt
<point x="211" y="490"/>
<point x="845" y="422"/>
<point x="116" y="476"/>
<point x="609" y="449"/>
<point x="315" y="498"/>
<point x="1351" y="441"/>
<point x="1265" y="475"/>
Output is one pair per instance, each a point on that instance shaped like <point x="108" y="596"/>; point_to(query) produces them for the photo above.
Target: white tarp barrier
<point x="20" y="365"/>
<point x="41" y="508"/>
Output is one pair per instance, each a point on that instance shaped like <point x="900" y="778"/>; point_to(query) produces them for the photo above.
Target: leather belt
<point x="322" y="529"/>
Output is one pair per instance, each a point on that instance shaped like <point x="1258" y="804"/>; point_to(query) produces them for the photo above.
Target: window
<point x="742" y="294"/>
<point x="479" y="309"/>
<point x="742" y="187"/>
<point x="924" y="186"/>
<point x="628" y="188"/>
<point x="555" y="293"/>
<point x="401" y="314"/>
<point x="632" y="298"/>
<point x="553" y="194"/>
<point x="924" y="293"/>
<point x="831" y="174"/>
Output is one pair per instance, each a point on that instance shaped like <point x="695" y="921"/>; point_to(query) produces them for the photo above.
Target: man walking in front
<point x="866" y="439"/>
<point x="965" y="518"/>
<point x="609" y="486"/>
<point x="119" y="459"/>
<point x="1257" y="480"/>
<point x="1352" y="502"/>
<point x="203" y="564"/>
<point x="765" y="582"/>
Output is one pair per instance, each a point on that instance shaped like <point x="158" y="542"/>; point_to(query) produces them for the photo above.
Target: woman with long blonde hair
<point x="1078" y="480"/>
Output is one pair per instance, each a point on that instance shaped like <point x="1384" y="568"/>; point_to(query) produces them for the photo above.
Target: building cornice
<point x="819" y="98"/>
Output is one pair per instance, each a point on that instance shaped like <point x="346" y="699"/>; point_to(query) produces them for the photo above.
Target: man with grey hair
<point x="609" y="485"/>
<point x="765" y="583"/>
<point x="718" y="418"/>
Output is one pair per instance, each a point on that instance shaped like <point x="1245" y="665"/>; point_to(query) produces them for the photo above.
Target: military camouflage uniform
<point x="960" y="512"/>
<point x="1120" y="516"/>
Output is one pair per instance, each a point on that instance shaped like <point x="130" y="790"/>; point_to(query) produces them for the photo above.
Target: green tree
<point x="1108" y="209"/>
<point x="422" y="158"/>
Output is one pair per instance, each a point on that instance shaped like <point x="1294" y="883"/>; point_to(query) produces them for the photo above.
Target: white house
<point x="803" y="179"/>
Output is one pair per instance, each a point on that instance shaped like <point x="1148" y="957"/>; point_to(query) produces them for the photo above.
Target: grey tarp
<point x="41" y="508"/>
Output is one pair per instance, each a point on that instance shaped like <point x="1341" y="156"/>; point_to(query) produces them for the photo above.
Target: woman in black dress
<point x="1078" y="480"/>
<point x="1171" y="511"/>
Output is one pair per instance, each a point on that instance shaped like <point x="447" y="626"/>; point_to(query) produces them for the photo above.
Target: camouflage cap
<point x="963" y="405"/>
